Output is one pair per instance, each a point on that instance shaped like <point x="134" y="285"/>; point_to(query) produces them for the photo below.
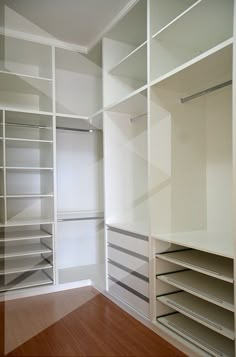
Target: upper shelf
<point x="126" y="66"/>
<point x="208" y="23"/>
<point x="181" y="17"/>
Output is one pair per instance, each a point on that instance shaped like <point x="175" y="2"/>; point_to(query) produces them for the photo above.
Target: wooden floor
<point x="78" y="322"/>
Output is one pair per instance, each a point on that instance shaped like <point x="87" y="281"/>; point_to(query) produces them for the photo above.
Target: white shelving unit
<point x="160" y="85"/>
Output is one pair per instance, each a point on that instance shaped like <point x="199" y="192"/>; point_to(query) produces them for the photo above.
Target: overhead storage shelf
<point x="207" y="314"/>
<point x="209" y="264"/>
<point x="126" y="68"/>
<point x="208" y="340"/>
<point x="213" y="290"/>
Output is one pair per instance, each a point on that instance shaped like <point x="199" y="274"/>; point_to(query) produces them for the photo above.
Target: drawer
<point x="134" y="243"/>
<point x="139" y="285"/>
<point x="134" y="301"/>
<point x="128" y="261"/>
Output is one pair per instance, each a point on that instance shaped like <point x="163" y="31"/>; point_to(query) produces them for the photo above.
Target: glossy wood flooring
<point x="78" y="322"/>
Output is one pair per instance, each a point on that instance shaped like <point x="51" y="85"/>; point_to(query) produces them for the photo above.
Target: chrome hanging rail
<point x="206" y="91"/>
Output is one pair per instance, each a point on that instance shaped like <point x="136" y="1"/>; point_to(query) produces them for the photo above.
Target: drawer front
<point x="134" y="243"/>
<point x="129" y="261"/>
<point x="129" y="298"/>
<point x="140" y="286"/>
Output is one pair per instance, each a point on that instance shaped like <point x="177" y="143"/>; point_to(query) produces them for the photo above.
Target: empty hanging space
<point x="126" y="165"/>
<point x="124" y="45"/>
<point x="80" y="202"/>
<point x="200" y="26"/>
<point x="78" y="82"/>
<point x="191" y="156"/>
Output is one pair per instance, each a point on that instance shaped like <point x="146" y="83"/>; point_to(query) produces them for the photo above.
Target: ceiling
<point x="78" y="22"/>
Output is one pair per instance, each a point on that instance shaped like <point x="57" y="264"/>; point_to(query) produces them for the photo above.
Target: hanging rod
<point x="138" y="117"/>
<point x="206" y="91"/>
<point x="78" y="219"/>
<point x="28" y="125"/>
<point x="74" y="129"/>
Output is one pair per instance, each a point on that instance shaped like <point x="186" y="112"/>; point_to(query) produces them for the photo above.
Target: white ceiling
<point x="78" y="22"/>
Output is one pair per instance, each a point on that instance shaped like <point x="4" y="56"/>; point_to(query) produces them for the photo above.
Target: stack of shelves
<point x="26" y="165"/>
<point x="124" y="45"/>
<point x="197" y="300"/>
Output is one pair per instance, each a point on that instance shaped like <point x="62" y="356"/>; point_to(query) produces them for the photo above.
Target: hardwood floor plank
<point x="79" y="322"/>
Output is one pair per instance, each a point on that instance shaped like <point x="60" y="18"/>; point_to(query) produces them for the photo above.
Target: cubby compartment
<point x="25" y="93"/>
<point x="78" y="82"/>
<point x="26" y="154"/>
<point x="29" y="210"/>
<point x="125" y="130"/>
<point x="20" y="183"/>
<point x="191" y="156"/>
<point x="26" y="58"/>
<point x="28" y="126"/>
<point x="204" y="25"/>
<point x="124" y="45"/>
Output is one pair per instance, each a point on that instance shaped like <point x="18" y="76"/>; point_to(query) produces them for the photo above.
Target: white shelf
<point x="20" y="282"/>
<point x="178" y="18"/>
<point x="26" y="111"/>
<point x="20" y="265"/>
<point x="80" y="215"/>
<point x="28" y="168"/>
<point x="207" y="314"/>
<point x="209" y="264"/>
<point x="131" y="227"/>
<point x="26" y="76"/>
<point x="30" y="195"/>
<point x="28" y="222"/>
<point x="210" y="289"/>
<point x="23" y="250"/>
<point x="126" y="67"/>
<point x="201" y="336"/>
<point x="30" y="140"/>
<point x="23" y="235"/>
<point x="71" y="116"/>
<point x="209" y="63"/>
<point x="127" y="103"/>
<point x="221" y="244"/>
<point x="135" y="105"/>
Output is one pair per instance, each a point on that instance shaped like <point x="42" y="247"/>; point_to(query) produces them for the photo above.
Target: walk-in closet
<point x="117" y="161"/>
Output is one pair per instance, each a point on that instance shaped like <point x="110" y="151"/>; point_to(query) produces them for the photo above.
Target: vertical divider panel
<point x="4" y="168"/>
<point x="55" y="271"/>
